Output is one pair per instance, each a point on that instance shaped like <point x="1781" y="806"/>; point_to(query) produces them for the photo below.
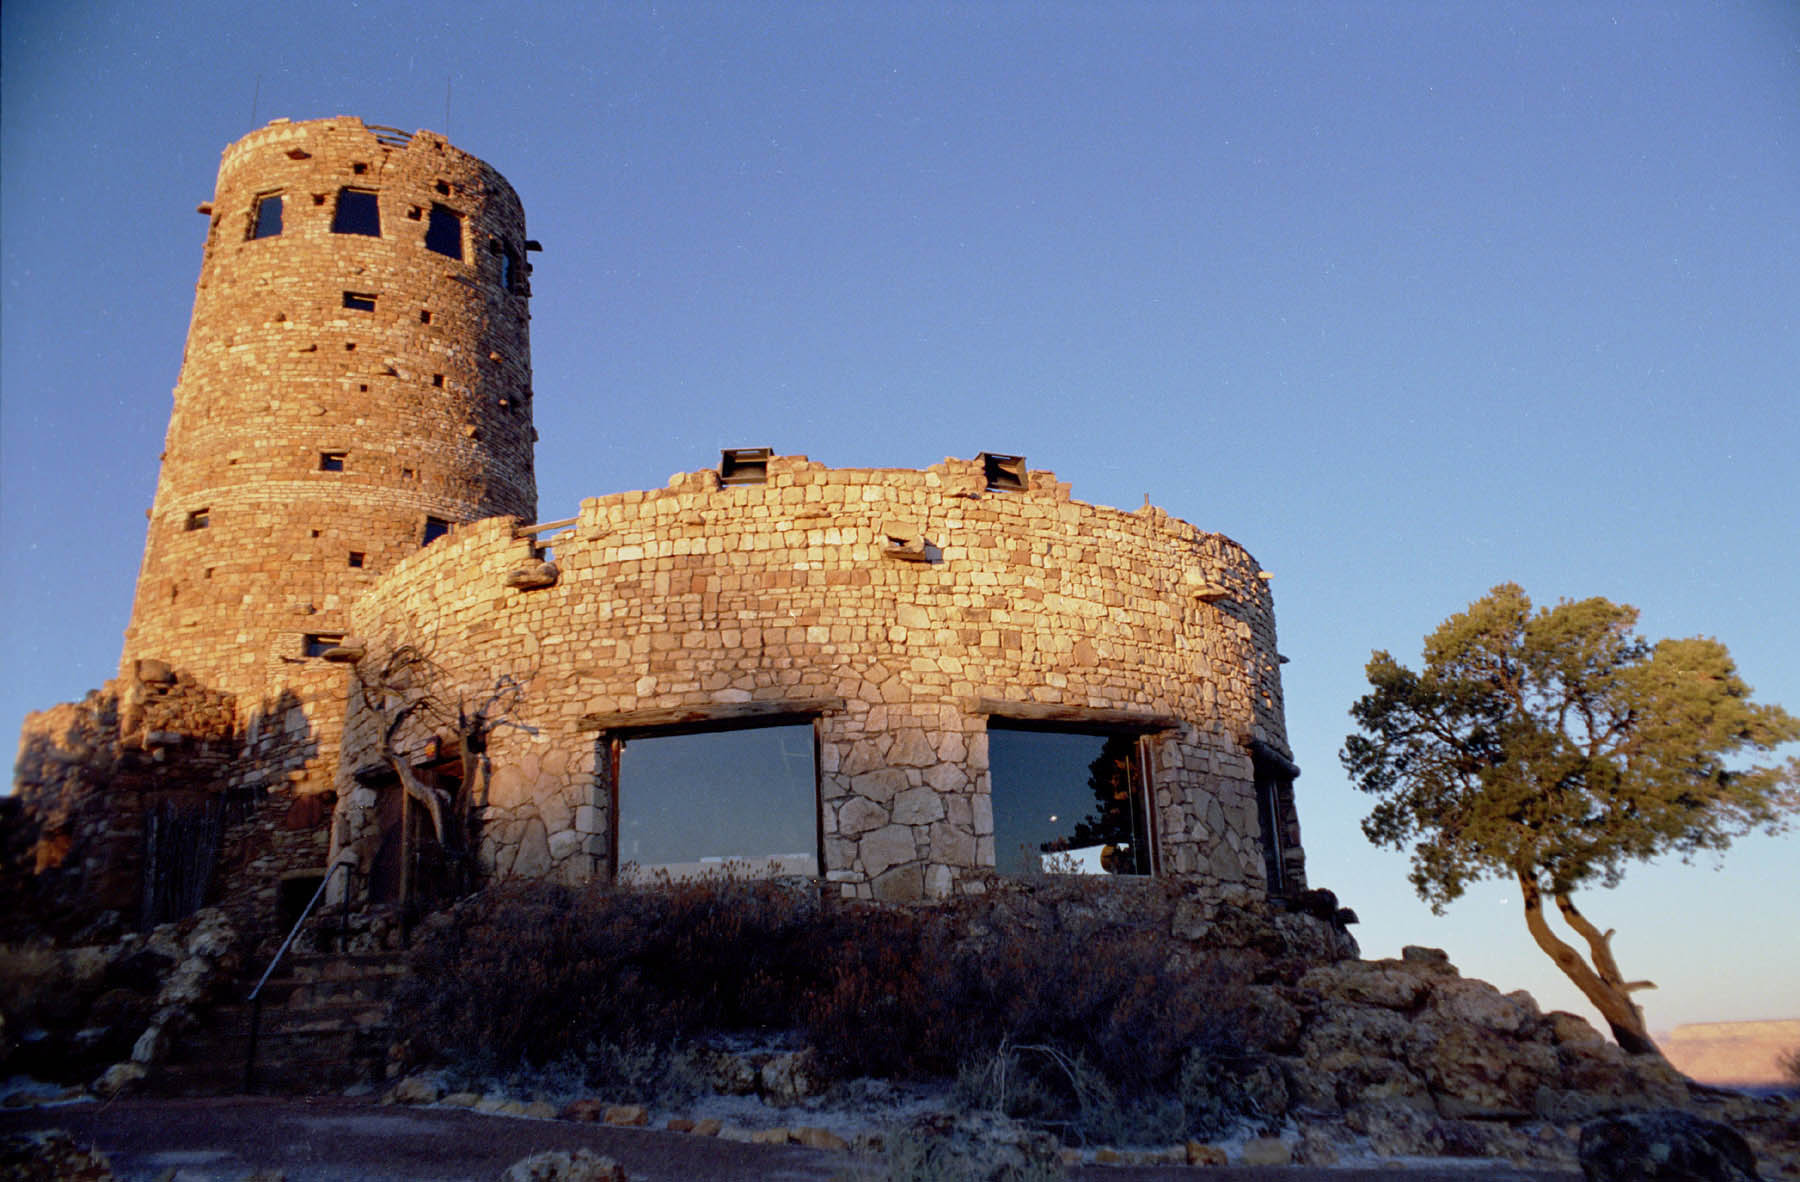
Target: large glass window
<point x="715" y="802"/>
<point x="1067" y="802"/>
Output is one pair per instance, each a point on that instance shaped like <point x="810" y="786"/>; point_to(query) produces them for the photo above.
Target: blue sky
<point x="1408" y="298"/>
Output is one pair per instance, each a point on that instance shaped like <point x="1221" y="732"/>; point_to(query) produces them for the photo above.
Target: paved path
<point x="339" y="1139"/>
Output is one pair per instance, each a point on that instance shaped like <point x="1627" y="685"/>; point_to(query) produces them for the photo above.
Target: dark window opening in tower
<point x="444" y="232"/>
<point x="512" y="273"/>
<point x="425" y="317"/>
<point x="316" y="644"/>
<point x="358" y="212"/>
<point x="435" y="528"/>
<point x="265" y="222"/>
<point x="437" y="380"/>
<point x="199" y="519"/>
<point x="356" y="558"/>
<point x="359" y="301"/>
<point x="332" y="461"/>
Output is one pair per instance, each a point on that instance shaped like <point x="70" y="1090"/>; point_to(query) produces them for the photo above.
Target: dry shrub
<point x="525" y="975"/>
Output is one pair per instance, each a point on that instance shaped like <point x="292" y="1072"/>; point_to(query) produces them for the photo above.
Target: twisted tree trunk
<point x="1601" y="982"/>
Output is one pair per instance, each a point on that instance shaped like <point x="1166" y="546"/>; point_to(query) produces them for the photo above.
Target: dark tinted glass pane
<point x="444" y="232"/>
<point x="1067" y="803"/>
<point x="268" y="218"/>
<point x="742" y="800"/>
<point x="357" y="213"/>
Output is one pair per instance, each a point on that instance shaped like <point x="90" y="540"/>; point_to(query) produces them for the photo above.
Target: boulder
<point x="556" y="1165"/>
<point x="1389" y="984"/>
<point x="789" y="1078"/>
<point x="52" y="1154"/>
<point x="627" y="1115"/>
<point x="587" y="1108"/>
<point x="1665" y="1145"/>
<point x="415" y="1089"/>
<point x="1266" y="1151"/>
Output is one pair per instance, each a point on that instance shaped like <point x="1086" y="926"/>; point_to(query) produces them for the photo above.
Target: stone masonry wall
<point x="338" y="392"/>
<point x="699" y="601"/>
<point x="85" y="776"/>
<point x="422" y="402"/>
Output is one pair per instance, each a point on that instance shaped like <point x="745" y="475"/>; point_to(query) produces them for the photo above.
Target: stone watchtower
<point x="357" y="379"/>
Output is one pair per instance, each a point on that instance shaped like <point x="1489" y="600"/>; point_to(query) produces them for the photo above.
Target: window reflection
<point x="1067" y="802"/>
<point x="743" y="802"/>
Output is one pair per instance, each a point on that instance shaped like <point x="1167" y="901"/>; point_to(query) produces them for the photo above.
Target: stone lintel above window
<point x="706" y="717"/>
<point x="1073" y="717"/>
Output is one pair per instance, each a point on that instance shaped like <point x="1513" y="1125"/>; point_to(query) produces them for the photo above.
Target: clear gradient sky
<point x="1409" y="298"/>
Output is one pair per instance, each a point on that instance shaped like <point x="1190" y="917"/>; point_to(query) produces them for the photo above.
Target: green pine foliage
<point x="1554" y="747"/>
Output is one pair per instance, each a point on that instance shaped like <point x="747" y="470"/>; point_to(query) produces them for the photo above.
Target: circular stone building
<point x="357" y="378"/>
<point x="901" y="682"/>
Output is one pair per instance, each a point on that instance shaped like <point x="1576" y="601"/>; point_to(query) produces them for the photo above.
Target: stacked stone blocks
<point x="700" y="601"/>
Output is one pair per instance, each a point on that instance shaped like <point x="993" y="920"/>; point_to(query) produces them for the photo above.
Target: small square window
<point x="359" y="301"/>
<point x="444" y="188"/>
<point x="425" y="317"/>
<point x="316" y="644"/>
<point x="407" y="474"/>
<point x="332" y="461"/>
<point x="199" y="519"/>
<point x="744" y="465"/>
<point x="359" y="169"/>
<point x="356" y="558"/>
<point x="358" y="212"/>
<point x="443" y="233"/>
<point x="1003" y="473"/>
<point x="437" y="379"/>
<point x="265" y="220"/>
<point x="435" y="528"/>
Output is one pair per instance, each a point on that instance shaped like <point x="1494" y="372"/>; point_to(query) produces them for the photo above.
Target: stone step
<point x="233" y="1021"/>
<point x="310" y="1066"/>
<point x="324" y="1025"/>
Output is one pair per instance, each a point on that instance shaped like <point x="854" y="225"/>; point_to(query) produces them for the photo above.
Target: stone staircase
<point x="324" y="1026"/>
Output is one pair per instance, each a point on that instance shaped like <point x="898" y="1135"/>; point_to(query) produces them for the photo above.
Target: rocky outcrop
<point x="1413" y="1031"/>
<point x="108" y="1013"/>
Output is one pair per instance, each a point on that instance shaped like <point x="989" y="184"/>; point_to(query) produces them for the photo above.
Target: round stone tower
<point x="357" y="380"/>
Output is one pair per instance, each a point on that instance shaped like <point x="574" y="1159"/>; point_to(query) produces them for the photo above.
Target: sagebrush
<point x="1125" y="1029"/>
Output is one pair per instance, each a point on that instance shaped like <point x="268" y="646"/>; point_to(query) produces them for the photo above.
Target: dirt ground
<point x="341" y="1139"/>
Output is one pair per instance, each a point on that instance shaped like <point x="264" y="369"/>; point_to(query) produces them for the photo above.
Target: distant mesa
<point x="1732" y="1054"/>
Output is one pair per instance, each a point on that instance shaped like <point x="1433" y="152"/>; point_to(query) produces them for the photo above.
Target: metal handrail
<point x="255" y="998"/>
